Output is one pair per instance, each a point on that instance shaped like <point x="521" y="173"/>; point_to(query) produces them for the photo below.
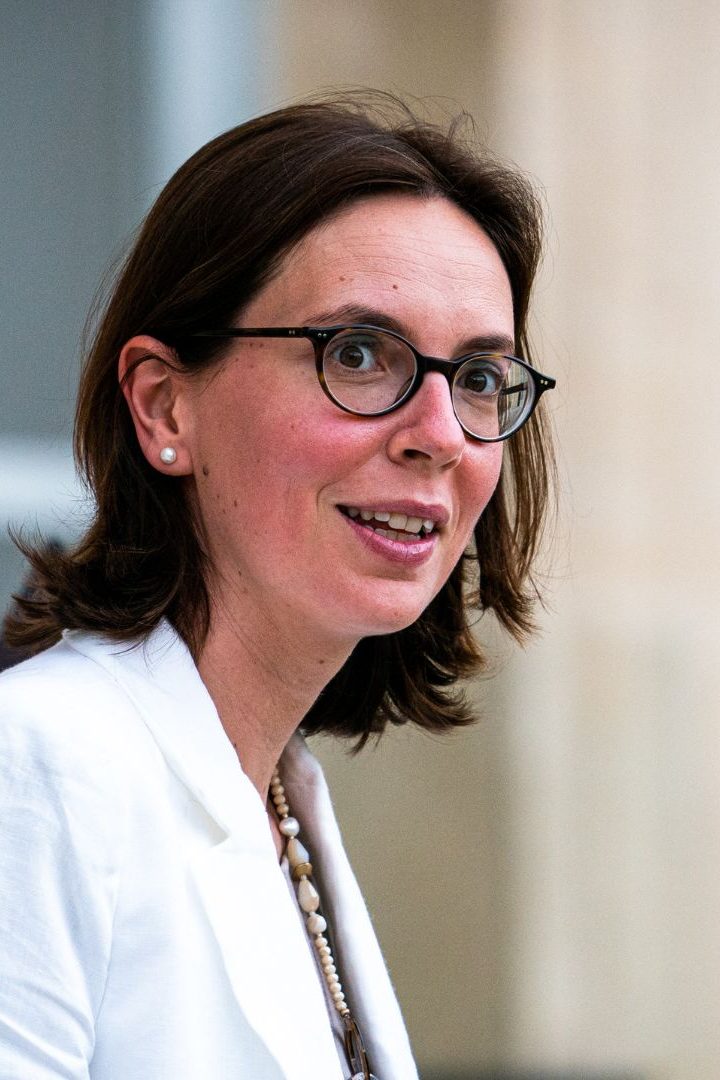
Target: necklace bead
<point x="308" y="896"/>
<point x="315" y="923"/>
<point x="296" y="852"/>
<point x="289" y="826"/>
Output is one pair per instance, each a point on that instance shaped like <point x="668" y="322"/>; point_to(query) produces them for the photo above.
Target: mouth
<point x="391" y="524"/>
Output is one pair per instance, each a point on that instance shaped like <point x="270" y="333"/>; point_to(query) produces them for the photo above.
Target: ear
<point x="154" y="390"/>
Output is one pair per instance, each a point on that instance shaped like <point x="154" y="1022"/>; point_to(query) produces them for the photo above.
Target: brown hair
<point x="215" y="235"/>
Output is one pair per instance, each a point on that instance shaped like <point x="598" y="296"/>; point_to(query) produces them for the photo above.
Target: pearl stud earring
<point x="168" y="455"/>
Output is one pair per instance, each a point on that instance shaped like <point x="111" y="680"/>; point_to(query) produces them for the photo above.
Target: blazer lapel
<point x="243" y="891"/>
<point x="266" y="958"/>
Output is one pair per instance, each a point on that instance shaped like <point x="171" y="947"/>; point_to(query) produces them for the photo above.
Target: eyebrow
<point x="356" y="313"/>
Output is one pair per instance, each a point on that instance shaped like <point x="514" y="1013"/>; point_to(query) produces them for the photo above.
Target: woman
<point x="288" y="479"/>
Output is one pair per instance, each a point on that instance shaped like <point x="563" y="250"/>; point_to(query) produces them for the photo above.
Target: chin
<point x="387" y="619"/>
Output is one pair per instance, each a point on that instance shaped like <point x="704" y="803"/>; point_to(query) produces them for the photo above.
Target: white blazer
<point x="146" y="929"/>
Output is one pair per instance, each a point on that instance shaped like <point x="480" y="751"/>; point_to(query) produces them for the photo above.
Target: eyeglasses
<point x="367" y="371"/>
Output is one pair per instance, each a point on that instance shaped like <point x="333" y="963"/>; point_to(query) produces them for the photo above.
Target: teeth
<point x="396" y="522"/>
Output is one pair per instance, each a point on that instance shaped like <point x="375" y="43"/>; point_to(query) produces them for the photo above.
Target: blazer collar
<point x="159" y="676"/>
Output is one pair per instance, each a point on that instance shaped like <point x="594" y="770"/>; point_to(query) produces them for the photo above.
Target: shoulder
<point x="77" y="768"/>
<point x="63" y="704"/>
<point x="55" y="669"/>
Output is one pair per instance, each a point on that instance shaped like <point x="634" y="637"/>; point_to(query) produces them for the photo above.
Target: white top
<point x="146" y="929"/>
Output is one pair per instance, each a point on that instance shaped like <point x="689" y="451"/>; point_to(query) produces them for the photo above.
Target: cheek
<point x="478" y="484"/>
<point x="282" y="462"/>
<point x="481" y="477"/>
<point x="321" y="444"/>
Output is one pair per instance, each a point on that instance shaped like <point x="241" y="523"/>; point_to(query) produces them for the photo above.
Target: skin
<point x="268" y="459"/>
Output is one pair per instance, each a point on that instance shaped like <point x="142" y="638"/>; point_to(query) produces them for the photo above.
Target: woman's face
<point x="280" y="472"/>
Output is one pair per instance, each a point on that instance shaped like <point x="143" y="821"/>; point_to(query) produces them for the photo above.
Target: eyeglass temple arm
<point x="543" y="383"/>
<point x="273" y="331"/>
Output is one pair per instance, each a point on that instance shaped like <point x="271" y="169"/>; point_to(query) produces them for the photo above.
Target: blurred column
<point x="211" y="65"/>
<point x="611" y="871"/>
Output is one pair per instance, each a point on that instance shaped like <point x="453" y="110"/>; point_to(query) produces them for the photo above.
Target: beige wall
<point x="548" y="885"/>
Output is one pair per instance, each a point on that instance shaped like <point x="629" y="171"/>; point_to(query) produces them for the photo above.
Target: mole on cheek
<point x="205" y="470"/>
<point x="394" y="286"/>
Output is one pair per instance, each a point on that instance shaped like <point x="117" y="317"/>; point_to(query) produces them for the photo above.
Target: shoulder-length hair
<point x="216" y="234"/>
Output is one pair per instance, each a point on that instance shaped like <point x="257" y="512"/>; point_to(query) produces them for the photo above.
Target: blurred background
<point x="547" y="885"/>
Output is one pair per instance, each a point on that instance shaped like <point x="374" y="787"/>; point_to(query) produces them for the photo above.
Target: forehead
<point x="409" y="256"/>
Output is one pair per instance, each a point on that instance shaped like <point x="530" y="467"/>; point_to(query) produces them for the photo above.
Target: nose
<point x="426" y="428"/>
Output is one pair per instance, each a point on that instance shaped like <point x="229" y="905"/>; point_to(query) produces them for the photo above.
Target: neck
<point x="263" y="679"/>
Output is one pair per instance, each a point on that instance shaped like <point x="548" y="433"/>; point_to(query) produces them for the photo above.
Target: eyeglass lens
<point x="367" y="372"/>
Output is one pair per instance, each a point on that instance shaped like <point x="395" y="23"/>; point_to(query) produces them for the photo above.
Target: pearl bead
<point x="168" y="455"/>
<point x="316" y="924"/>
<point x="289" y="826"/>
<point x="308" y="896"/>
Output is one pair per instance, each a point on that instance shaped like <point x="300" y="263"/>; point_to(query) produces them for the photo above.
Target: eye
<point x="361" y="353"/>
<point x="482" y="377"/>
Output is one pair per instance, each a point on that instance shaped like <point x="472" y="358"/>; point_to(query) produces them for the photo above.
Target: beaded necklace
<point x="309" y="900"/>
